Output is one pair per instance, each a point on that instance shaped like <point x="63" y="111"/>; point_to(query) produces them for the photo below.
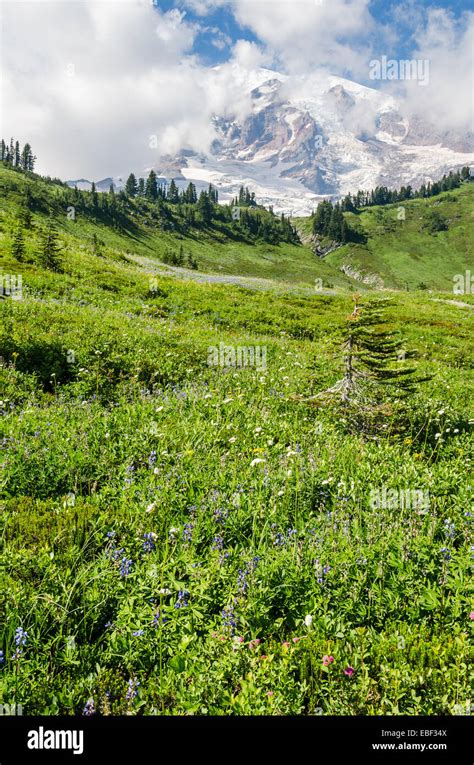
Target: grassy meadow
<point x="182" y="538"/>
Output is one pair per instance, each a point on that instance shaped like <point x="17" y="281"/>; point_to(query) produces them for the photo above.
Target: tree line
<point x="329" y="221"/>
<point x="14" y="156"/>
<point x="381" y="195"/>
<point x="153" y="190"/>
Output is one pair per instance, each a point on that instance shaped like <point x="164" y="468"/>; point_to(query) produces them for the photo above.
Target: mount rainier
<point x="307" y="138"/>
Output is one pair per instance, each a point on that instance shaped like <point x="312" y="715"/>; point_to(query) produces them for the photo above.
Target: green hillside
<point x="184" y="537"/>
<point x="141" y="229"/>
<point x="406" y="253"/>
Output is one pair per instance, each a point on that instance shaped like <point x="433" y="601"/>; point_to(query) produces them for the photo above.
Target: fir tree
<point x="376" y="380"/>
<point x="334" y="225"/>
<point x="151" y="188"/>
<point x="49" y="248"/>
<point x="26" y="157"/>
<point x="204" y="207"/>
<point x="131" y="186"/>
<point x="25" y="216"/>
<point x="192" y="262"/>
<point x="94" y="197"/>
<point x="190" y="194"/>
<point x="173" y="194"/>
<point x="18" y="244"/>
<point x="96" y="245"/>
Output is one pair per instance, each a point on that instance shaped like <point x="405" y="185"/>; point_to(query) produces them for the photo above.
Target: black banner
<point x="121" y="739"/>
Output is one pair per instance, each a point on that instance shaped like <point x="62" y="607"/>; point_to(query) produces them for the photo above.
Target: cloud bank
<point x="90" y="83"/>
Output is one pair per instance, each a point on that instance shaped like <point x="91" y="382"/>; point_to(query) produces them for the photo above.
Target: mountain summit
<point x="312" y="137"/>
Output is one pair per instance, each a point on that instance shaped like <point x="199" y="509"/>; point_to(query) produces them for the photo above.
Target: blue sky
<point x="87" y="83"/>
<point x="386" y="13"/>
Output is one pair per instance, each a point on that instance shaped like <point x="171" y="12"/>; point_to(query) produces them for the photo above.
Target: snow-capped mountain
<point x="104" y="185"/>
<point x="304" y="138"/>
<point x="307" y="138"/>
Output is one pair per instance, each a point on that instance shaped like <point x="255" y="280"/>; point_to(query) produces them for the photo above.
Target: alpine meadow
<point x="236" y="392"/>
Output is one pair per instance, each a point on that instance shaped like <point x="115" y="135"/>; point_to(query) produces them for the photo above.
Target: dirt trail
<point x="457" y="303"/>
<point x="248" y="282"/>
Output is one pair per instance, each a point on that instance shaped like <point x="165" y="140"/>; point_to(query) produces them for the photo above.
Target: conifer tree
<point x="49" y="248"/>
<point x="192" y="262"/>
<point x="173" y="194"/>
<point x="25" y="216"/>
<point x="371" y="395"/>
<point x="190" y="194"/>
<point x="151" y="188"/>
<point x="94" y="197"/>
<point x="18" y="244"/>
<point x="26" y="156"/>
<point x="204" y="207"/>
<point x="131" y="186"/>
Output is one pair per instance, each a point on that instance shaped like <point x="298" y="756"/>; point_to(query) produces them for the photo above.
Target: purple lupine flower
<point x="229" y="618"/>
<point x="21" y="638"/>
<point x="148" y="544"/>
<point x="277" y="536"/>
<point x="158" y="619"/>
<point x="89" y="708"/>
<point x="152" y="459"/>
<point x="138" y="633"/>
<point x="183" y="597"/>
<point x="321" y="571"/>
<point x="221" y="514"/>
<point x="125" y="566"/>
<point x="188" y="532"/>
<point x="218" y="543"/>
<point x="243" y="574"/>
<point x="130" y="470"/>
<point x="132" y="689"/>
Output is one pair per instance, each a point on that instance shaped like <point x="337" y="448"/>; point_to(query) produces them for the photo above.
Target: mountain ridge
<point x="308" y="138"/>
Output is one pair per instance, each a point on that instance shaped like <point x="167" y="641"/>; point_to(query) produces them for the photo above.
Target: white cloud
<point x="302" y="34"/>
<point x="87" y="83"/>
<point x="447" y="101"/>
